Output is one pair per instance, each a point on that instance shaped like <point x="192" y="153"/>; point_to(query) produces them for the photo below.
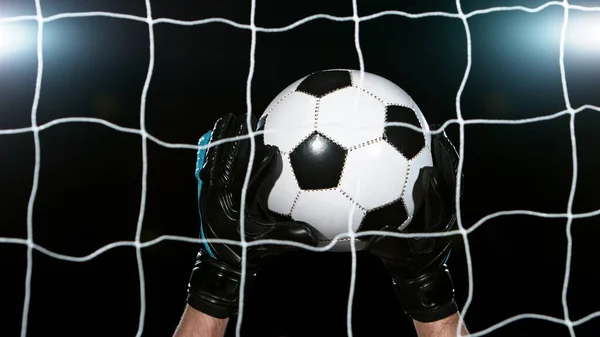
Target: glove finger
<point x="445" y="160"/>
<point x="285" y="231"/>
<point x="223" y="129"/>
<point x="267" y="169"/>
<point x="433" y="202"/>
<point x="408" y="255"/>
<point x="388" y="247"/>
<point x="295" y="231"/>
<point x="239" y="159"/>
<point x="242" y="155"/>
<point x="229" y="160"/>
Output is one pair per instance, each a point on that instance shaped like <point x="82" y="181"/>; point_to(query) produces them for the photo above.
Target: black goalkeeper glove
<point x="214" y="284"/>
<point x="417" y="266"/>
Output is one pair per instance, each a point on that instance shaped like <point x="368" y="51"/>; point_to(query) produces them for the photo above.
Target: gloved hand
<point x="214" y="284"/>
<point x="417" y="266"/>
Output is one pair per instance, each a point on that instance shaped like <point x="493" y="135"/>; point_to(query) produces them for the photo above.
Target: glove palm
<point x="417" y="265"/>
<point x="214" y="283"/>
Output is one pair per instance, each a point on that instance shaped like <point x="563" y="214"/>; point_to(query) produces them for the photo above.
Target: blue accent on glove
<point x="200" y="159"/>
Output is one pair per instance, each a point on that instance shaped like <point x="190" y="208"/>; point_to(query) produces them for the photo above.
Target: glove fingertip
<point x="310" y="234"/>
<point x="295" y="231"/>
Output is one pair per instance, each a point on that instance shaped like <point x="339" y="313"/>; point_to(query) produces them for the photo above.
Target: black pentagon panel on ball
<point x="392" y="214"/>
<point x="407" y="141"/>
<point x="321" y="83"/>
<point x="318" y="162"/>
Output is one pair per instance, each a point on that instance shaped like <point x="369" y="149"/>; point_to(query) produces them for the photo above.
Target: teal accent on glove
<point x="200" y="159"/>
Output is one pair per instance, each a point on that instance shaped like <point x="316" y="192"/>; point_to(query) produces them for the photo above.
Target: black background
<point x="90" y="179"/>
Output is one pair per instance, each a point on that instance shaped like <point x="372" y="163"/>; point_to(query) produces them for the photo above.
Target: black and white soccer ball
<point x="344" y="169"/>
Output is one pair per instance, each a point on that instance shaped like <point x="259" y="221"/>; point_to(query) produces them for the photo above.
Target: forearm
<point x="443" y="328"/>
<point x="197" y="324"/>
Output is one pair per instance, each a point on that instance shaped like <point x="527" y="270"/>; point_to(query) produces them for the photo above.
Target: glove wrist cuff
<point x="428" y="297"/>
<point x="214" y="287"/>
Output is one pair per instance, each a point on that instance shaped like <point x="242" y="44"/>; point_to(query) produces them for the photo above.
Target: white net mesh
<point x="137" y="243"/>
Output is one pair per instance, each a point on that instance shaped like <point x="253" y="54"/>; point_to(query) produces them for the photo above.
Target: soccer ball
<point x="344" y="169"/>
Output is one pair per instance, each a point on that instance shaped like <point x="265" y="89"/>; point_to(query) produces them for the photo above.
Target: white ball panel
<point x="391" y="94"/>
<point x="290" y="121"/>
<point x="284" y="192"/>
<point x="290" y="88"/>
<point x="374" y="175"/>
<point x="329" y="211"/>
<point x="351" y="117"/>
<point x="385" y="89"/>
<point x="423" y="159"/>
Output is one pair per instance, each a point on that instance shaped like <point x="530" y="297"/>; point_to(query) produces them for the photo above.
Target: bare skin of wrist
<point x="443" y="328"/>
<point x="198" y="324"/>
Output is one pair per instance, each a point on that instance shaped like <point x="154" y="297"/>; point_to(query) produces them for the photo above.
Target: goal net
<point x="79" y="208"/>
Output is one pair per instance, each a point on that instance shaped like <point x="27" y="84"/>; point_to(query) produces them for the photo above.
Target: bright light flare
<point x="13" y="38"/>
<point x="583" y="34"/>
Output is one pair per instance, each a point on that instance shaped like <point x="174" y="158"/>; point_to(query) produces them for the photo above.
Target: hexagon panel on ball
<point x="374" y="175"/>
<point x="331" y="213"/>
<point x="351" y="117"/>
<point x="291" y="121"/>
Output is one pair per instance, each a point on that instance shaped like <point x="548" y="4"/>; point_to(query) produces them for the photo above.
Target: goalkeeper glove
<point x="417" y="266"/>
<point x="214" y="284"/>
